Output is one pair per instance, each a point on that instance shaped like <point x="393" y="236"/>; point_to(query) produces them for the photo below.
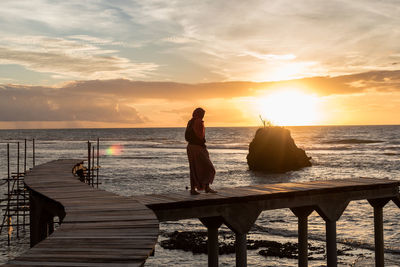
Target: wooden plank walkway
<point x="239" y="207"/>
<point x="99" y="227"/>
<point x="268" y="196"/>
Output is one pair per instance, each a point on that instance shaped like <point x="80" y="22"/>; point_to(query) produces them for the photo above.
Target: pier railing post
<point x="331" y="212"/>
<point x="302" y="214"/>
<point x="378" y="205"/>
<point x="240" y="218"/>
<point x="212" y="224"/>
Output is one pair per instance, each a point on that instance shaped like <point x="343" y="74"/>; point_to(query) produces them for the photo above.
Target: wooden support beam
<point x="38" y="219"/>
<point x="240" y="218"/>
<point x="42" y="213"/>
<point x="50" y="224"/>
<point x="302" y="214"/>
<point x="378" y="205"/>
<point x="331" y="246"/>
<point x="212" y="224"/>
<point x="396" y="200"/>
<point x="331" y="211"/>
<point x="241" y="249"/>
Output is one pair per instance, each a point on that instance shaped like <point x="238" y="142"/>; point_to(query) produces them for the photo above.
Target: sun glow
<point x="289" y="107"/>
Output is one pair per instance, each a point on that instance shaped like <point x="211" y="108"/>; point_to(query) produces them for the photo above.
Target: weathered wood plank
<point x="103" y="229"/>
<point x="99" y="229"/>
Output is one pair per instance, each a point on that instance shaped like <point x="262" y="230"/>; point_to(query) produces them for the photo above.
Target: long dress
<point x="202" y="171"/>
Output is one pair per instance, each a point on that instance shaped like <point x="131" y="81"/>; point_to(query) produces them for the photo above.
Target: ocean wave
<point x="395" y="142"/>
<point x="391" y="154"/>
<point x="237" y="147"/>
<point x="139" y="157"/>
<point x="317" y="237"/>
<point x="353" y="141"/>
<point x="176" y="145"/>
<point x="318" y="148"/>
<point x="392" y="148"/>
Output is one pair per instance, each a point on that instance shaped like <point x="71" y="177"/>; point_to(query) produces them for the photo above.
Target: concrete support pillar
<point x="212" y="224"/>
<point x="302" y="214"/>
<point x="240" y="218"/>
<point x="241" y="249"/>
<point x="331" y="246"/>
<point x="378" y="205"/>
<point x="331" y="211"/>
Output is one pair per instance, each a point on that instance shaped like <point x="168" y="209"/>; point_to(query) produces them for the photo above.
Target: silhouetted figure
<point x="80" y="171"/>
<point x="202" y="170"/>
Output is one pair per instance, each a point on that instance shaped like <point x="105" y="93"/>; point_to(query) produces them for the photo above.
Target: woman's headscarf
<point x="198" y="113"/>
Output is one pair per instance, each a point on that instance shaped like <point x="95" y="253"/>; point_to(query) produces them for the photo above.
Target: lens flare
<point x="113" y="150"/>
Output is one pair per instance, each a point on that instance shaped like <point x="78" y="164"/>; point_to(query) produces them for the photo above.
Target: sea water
<point x="153" y="160"/>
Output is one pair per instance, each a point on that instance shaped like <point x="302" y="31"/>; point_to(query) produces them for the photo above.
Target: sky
<point x="71" y="64"/>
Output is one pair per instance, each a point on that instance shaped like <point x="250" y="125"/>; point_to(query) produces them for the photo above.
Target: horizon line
<point x="169" y="127"/>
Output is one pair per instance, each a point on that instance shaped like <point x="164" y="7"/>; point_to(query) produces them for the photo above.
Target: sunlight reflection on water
<point x="155" y="161"/>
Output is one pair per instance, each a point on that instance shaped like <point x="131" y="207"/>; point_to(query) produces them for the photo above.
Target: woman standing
<point x="202" y="170"/>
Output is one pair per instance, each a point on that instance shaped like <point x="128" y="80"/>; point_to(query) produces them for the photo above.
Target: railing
<point x="15" y="205"/>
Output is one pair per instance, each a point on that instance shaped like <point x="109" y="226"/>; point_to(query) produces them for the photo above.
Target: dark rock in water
<point x="187" y="241"/>
<point x="197" y="243"/>
<point x="286" y="250"/>
<point x="273" y="150"/>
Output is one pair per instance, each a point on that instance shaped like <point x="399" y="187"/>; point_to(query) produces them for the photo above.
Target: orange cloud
<point x="136" y="102"/>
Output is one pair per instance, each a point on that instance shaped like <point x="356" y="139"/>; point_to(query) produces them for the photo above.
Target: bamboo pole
<point x="97" y="163"/>
<point x="8" y="195"/>
<point x="88" y="158"/>
<point x="33" y="152"/>
<point x="24" y="194"/>
<point x="93" y="166"/>
<point x="17" y="210"/>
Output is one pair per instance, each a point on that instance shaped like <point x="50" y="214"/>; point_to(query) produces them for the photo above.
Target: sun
<point x="289" y="107"/>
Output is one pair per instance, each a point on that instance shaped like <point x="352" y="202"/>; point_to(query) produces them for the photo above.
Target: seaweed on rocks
<point x="196" y="242"/>
<point x="186" y="241"/>
<point x="286" y="250"/>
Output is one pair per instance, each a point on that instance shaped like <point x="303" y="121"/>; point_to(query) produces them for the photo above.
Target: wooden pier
<point x="238" y="208"/>
<point x="99" y="228"/>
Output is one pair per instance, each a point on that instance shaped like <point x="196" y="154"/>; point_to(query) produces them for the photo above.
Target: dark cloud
<point x="163" y="90"/>
<point x="346" y="84"/>
<point x="113" y="100"/>
<point x="22" y="103"/>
